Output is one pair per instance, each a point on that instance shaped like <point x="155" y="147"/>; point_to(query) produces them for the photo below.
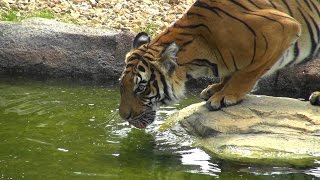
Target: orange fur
<point x="241" y="40"/>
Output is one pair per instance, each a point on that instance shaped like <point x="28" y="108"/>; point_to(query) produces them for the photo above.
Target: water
<point x="51" y="130"/>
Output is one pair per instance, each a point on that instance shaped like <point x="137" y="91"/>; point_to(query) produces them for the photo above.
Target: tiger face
<point x="144" y="83"/>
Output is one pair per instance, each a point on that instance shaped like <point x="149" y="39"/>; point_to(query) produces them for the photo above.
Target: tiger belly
<point x="289" y="58"/>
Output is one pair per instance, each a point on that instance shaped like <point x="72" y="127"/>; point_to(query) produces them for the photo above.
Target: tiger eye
<point x="141" y="68"/>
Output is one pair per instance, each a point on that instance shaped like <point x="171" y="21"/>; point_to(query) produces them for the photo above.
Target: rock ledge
<point x="46" y="48"/>
<point x="261" y="129"/>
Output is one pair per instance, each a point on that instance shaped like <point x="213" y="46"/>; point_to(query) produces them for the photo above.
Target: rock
<point x="296" y="82"/>
<point x="46" y="48"/>
<point x="261" y="129"/>
<point x="4" y="4"/>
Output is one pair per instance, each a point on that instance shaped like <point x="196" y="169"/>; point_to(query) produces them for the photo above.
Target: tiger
<point x="236" y="41"/>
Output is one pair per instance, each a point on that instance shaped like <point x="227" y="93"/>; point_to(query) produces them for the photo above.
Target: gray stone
<point x="296" y="82"/>
<point x="261" y="129"/>
<point x="47" y="48"/>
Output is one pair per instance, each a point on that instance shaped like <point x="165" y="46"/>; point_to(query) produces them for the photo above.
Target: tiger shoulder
<point x="237" y="41"/>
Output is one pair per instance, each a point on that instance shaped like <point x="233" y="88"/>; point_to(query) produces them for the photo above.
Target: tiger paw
<point x="210" y="91"/>
<point x="315" y="98"/>
<point x="218" y="101"/>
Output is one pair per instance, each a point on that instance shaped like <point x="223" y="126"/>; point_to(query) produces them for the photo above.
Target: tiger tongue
<point x="139" y="125"/>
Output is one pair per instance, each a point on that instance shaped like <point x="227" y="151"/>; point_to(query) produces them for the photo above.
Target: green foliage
<point x="42" y="14"/>
<point x="149" y="28"/>
<point x="13" y="15"/>
<point x="9" y="16"/>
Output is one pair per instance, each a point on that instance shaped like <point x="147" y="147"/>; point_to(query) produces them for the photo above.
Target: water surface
<point x="54" y="130"/>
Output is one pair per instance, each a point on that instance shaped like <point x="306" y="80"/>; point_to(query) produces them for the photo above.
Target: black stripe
<point x="194" y="14"/>
<point x="143" y="82"/>
<point x="313" y="41"/>
<point x="167" y="32"/>
<point x="140" y="78"/>
<point x="249" y="28"/>
<point x="281" y="60"/>
<point x="192" y="26"/>
<point x="150" y="53"/>
<point x="155" y="84"/>
<point x="266" y="17"/>
<point x="316" y="25"/>
<point x="148" y="90"/>
<point x="206" y="63"/>
<point x="179" y="39"/>
<point x="316" y="8"/>
<point x="165" y="45"/>
<point x="165" y="86"/>
<point x="144" y="62"/>
<point x="134" y="56"/>
<point x="156" y="50"/>
<point x="254" y="4"/>
<point x="296" y="53"/>
<point x="129" y="65"/>
<point x="206" y="6"/>
<point x="172" y="90"/>
<point x="240" y="5"/>
<point x="254" y="49"/>
<point x="163" y="102"/>
<point x="309" y="6"/>
<point x="148" y="58"/>
<point x="234" y="62"/>
<point x="287" y="5"/>
<point x="152" y="77"/>
<point x="186" y="43"/>
<point x="273" y="5"/>
<point x="222" y="58"/>
<point x="267" y="44"/>
<point x="142" y="49"/>
<point x="185" y="34"/>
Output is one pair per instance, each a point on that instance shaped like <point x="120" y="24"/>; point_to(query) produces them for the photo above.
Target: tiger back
<point x="238" y="41"/>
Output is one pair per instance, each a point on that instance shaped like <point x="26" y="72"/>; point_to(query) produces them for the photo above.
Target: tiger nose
<point x="125" y="115"/>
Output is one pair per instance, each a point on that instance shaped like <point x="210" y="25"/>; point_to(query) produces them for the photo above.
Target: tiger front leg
<point x="213" y="88"/>
<point x="234" y="90"/>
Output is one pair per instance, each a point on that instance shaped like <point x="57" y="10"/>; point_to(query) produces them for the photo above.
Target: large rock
<point x="261" y="129"/>
<point x="296" y="82"/>
<point x="46" y="48"/>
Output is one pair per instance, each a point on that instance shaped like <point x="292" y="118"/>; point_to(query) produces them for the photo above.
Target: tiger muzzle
<point x="143" y="120"/>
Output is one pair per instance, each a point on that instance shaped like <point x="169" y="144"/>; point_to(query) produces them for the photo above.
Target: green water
<point x="51" y="130"/>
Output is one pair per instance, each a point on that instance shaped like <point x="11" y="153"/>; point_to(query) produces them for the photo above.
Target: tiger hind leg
<point x="242" y="80"/>
<point x="315" y="98"/>
<point x="213" y="88"/>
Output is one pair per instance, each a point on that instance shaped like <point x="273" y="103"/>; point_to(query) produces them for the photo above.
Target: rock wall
<point x="43" y="48"/>
<point x="296" y="82"/>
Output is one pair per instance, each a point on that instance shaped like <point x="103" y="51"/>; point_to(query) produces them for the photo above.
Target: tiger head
<point x="145" y="83"/>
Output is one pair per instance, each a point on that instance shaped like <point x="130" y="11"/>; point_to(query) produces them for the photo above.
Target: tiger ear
<point x="141" y="38"/>
<point x="169" y="58"/>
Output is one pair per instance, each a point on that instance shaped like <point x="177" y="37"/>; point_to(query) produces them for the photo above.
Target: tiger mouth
<point x="143" y="120"/>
